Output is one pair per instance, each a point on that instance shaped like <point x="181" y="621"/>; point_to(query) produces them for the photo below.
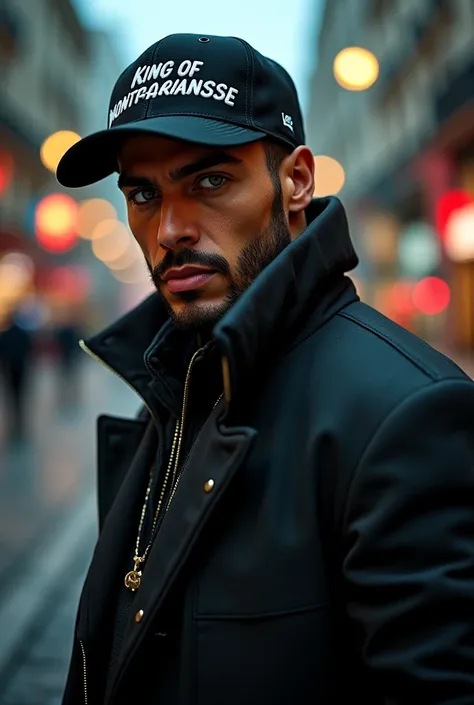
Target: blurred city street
<point x="386" y="90"/>
<point x="48" y="527"/>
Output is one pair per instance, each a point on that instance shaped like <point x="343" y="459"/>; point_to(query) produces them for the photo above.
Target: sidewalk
<point x="48" y="529"/>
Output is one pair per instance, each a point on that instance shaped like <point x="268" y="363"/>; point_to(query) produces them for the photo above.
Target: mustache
<point x="189" y="256"/>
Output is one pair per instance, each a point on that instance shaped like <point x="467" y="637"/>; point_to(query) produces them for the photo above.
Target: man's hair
<point x="275" y="153"/>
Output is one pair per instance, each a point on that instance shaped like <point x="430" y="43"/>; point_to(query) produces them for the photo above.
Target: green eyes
<point x="142" y="196"/>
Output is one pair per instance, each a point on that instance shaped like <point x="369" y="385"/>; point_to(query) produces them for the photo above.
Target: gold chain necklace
<point x="134" y="577"/>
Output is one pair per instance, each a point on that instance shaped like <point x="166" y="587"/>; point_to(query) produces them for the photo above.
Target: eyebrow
<point x="207" y="162"/>
<point x="130" y="180"/>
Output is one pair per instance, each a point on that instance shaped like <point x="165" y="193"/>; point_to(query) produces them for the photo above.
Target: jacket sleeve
<point x="408" y="549"/>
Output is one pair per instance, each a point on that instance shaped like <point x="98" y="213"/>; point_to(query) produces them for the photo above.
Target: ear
<point x="298" y="179"/>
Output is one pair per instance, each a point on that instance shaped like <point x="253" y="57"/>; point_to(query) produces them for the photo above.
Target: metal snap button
<point x="139" y="616"/>
<point x="209" y="486"/>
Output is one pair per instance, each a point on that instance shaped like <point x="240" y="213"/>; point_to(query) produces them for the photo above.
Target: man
<point x="291" y="519"/>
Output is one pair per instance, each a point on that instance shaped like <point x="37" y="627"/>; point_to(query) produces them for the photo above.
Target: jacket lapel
<point x="216" y="456"/>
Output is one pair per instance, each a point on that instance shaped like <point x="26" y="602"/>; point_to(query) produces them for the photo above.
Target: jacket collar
<point x="292" y="297"/>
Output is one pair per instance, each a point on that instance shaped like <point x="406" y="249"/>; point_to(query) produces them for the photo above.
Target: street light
<point x="54" y="147"/>
<point x="56" y="222"/>
<point x="355" y="68"/>
<point x="459" y="235"/>
<point x="329" y="176"/>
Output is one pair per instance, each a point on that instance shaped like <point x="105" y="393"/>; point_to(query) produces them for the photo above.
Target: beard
<point x="254" y="257"/>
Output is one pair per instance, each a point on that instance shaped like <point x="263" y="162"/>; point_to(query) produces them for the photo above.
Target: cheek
<point x="244" y="221"/>
<point x="144" y="231"/>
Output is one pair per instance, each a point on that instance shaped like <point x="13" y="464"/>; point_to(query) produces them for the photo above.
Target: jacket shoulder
<point x="394" y="348"/>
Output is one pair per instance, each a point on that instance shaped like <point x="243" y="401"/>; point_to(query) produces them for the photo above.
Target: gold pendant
<point x="133" y="578"/>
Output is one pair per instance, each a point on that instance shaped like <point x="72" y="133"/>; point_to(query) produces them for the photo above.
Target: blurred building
<point x="407" y="149"/>
<point x="44" y="57"/>
<point x="57" y="76"/>
<point x="130" y="284"/>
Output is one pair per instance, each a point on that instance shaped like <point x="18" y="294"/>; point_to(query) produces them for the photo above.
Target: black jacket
<point x="333" y="560"/>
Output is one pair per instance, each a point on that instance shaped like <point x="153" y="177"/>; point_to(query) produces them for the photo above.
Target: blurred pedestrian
<point x="291" y="518"/>
<point x="16" y="345"/>
<point x="67" y="335"/>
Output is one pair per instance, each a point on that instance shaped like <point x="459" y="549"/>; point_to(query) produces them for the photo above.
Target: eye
<point x="212" y="182"/>
<point x="142" y="196"/>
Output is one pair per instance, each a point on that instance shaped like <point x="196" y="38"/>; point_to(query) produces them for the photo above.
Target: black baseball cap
<point x="209" y="90"/>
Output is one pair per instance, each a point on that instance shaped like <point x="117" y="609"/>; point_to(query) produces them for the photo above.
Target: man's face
<point x="208" y="221"/>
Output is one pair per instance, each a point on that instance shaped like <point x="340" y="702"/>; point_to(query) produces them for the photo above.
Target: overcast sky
<point x="281" y="29"/>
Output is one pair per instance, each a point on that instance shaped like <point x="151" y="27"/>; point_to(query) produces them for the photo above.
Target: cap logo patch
<point x="287" y="121"/>
<point x="177" y="80"/>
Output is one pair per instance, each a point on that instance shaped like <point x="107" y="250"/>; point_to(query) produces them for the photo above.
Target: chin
<point x="195" y="315"/>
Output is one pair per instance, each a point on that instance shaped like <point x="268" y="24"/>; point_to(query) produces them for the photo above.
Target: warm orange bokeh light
<point x="136" y="274"/>
<point x="56" y="214"/>
<point x="355" y="68"/>
<point x="459" y="235"/>
<point x="112" y="244"/>
<point x="91" y="213"/>
<point x="329" y="176"/>
<point x="16" y="277"/>
<point x="55" y="146"/>
<point x="56" y="221"/>
<point x="129" y="258"/>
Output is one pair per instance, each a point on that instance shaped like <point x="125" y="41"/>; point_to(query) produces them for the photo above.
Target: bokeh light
<point x="447" y="205"/>
<point x="104" y="228"/>
<point x="7" y="168"/>
<point x="16" y="279"/>
<point x="113" y="243"/>
<point x="69" y="283"/>
<point x="431" y="296"/>
<point x="56" y="222"/>
<point x="355" y="68"/>
<point x="54" y="147"/>
<point x="329" y="176"/>
<point x="91" y="213"/>
<point x="419" y="250"/>
<point x="131" y="255"/>
<point x="136" y="274"/>
<point x="399" y="299"/>
<point x="380" y="237"/>
<point x="16" y="272"/>
<point x="459" y="235"/>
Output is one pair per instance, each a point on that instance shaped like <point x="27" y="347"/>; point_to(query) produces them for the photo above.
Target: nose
<point x="177" y="227"/>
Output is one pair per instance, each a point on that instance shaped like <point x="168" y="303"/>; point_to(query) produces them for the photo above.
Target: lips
<point x="187" y="278"/>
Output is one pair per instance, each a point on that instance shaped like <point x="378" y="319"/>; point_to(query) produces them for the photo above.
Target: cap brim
<point x="95" y="157"/>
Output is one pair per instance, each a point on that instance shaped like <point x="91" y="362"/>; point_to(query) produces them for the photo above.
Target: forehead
<point x="139" y="150"/>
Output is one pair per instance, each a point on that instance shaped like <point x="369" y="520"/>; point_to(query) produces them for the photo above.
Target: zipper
<point x="84" y="667"/>
<point x="180" y="431"/>
<point x="186" y="460"/>
<point x="95" y="357"/>
<point x="184" y="408"/>
<point x="172" y="468"/>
